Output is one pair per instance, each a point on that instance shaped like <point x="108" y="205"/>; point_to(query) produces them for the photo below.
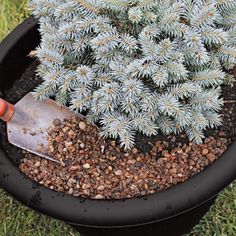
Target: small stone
<point x="113" y="158"/>
<point x="82" y="145"/>
<point x="86" y="191"/>
<point x="82" y="125"/>
<point x="86" y="166"/>
<point x="101" y="187"/>
<point x="211" y="157"/>
<point x="51" y="149"/>
<point x="113" y="143"/>
<point x="102" y="148"/>
<point x="118" y="172"/>
<point x="71" y="133"/>
<point x="99" y="196"/>
<point x="173" y="139"/>
<point x="160" y="148"/>
<point x="86" y="186"/>
<point x="56" y="122"/>
<point x="173" y="171"/>
<point x="166" y="154"/>
<point x="138" y="158"/>
<point x="222" y="134"/>
<point x="103" y="166"/>
<point x="37" y="164"/>
<point x="205" y="151"/>
<point x="188" y="149"/>
<point x="60" y="189"/>
<point x="71" y="181"/>
<point x="72" y="168"/>
<point x="68" y="144"/>
<point x="179" y="150"/>
<point x="134" y="151"/>
<point x="133" y="186"/>
<point x="136" y="177"/>
<point x="180" y="175"/>
<point x="168" y="165"/>
<point x="70" y="191"/>
<point x="131" y="161"/>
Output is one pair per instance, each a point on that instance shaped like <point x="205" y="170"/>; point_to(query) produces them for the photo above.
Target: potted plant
<point x="132" y="67"/>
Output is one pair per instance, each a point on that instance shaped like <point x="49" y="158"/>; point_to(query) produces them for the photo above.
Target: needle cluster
<point x="144" y="66"/>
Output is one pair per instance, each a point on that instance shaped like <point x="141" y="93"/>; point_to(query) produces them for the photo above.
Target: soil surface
<point x="97" y="169"/>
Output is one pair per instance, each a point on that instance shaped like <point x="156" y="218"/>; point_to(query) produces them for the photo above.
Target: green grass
<point x="18" y="220"/>
<point x="11" y="13"/>
<point x="221" y="219"/>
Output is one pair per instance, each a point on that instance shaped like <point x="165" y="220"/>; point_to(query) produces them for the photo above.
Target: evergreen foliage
<point x="145" y="66"/>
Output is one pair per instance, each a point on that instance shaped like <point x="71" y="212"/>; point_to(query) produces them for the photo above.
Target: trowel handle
<point x="6" y="110"/>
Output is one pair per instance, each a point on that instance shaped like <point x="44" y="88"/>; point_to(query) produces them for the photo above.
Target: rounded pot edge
<point x="101" y="213"/>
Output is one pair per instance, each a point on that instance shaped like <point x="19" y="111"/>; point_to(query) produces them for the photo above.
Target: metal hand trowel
<point x="28" y="121"/>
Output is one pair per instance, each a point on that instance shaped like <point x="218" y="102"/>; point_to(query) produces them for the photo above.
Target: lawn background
<point x="17" y="220"/>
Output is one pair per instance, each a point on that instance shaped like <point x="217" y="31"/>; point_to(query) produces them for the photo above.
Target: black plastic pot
<point x="171" y="212"/>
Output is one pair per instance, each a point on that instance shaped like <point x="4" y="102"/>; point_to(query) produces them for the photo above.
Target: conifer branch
<point x="146" y="66"/>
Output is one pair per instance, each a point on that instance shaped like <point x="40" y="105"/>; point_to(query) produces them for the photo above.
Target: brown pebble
<point x="86" y="191"/>
<point x="86" y="186"/>
<point x="166" y="154"/>
<point x="131" y="161"/>
<point x="222" y="134"/>
<point x="56" y="122"/>
<point x="68" y="144"/>
<point x="86" y="166"/>
<point x="103" y="166"/>
<point x="71" y="133"/>
<point x="118" y="172"/>
<point x="74" y="168"/>
<point x="173" y="171"/>
<point x="211" y="157"/>
<point x="99" y="196"/>
<point x="70" y="191"/>
<point x="82" y="145"/>
<point x="82" y="125"/>
<point x="37" y="164"/>
<point x="71" y="181"/>
<point x="134" y="151"/>
<point x="205" y="151"/>
<point x="100" y="187"/>
<point x="113" y="158"/>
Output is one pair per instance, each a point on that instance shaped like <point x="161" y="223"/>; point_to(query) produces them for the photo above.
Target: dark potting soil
<point x="20" y="88"/>
<point x="91" y="171"/>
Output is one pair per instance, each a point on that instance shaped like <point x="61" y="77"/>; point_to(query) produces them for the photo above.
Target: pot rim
<point x="111" y="213"/>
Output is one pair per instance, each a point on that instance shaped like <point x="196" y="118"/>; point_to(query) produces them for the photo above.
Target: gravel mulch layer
<point x="93" y="169"/>
<point x="160" y="162"/>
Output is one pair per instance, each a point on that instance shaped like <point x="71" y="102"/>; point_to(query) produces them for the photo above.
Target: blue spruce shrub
<point x="144" y="66"/>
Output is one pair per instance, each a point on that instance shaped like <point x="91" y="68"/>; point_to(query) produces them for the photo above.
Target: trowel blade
<point x="28" y="127"/>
